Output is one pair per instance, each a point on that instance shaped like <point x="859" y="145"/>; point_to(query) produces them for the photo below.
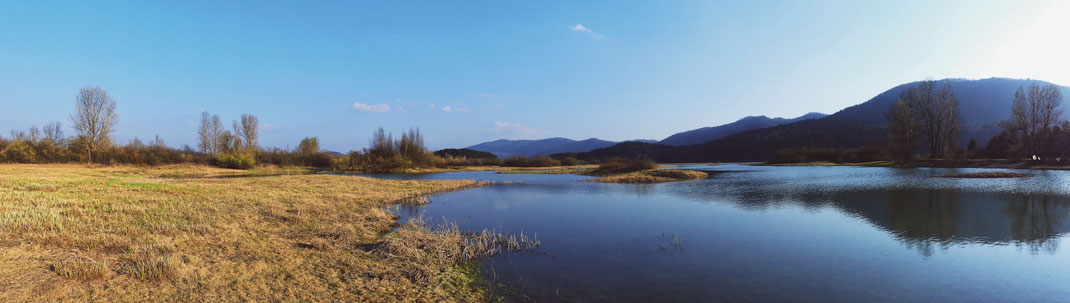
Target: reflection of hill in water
<point x="924" y="219"/>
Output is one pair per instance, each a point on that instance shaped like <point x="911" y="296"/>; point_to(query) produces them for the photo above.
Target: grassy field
<point x="200" y="234"/>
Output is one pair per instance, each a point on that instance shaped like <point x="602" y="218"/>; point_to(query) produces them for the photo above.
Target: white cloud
<point x="581" y="28"/>
<point x="461" y="109"/>
<point x="374" y="108"/>
<point x="433" y="106"/>
<point x="509" y="128"/>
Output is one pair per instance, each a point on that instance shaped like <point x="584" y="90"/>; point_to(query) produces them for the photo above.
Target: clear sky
<point x="468" y="71"/>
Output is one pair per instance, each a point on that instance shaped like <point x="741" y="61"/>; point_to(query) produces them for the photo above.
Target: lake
<point x="760" y="233"/>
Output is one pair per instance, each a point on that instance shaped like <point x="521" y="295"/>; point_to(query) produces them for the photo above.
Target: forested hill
<point x="707" y="134"/>
<point x="982" y="104"/>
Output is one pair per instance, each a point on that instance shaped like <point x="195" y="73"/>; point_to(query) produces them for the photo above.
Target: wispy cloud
<point x="508" y="128"/>
<point x="372" y="108"/>
<point x="459" y="109"/>
<point x="581" y="28"/>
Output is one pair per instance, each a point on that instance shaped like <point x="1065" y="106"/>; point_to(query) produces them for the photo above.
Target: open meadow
<point x="197" y="233"/>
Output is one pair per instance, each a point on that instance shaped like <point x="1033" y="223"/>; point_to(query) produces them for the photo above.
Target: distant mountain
<point x="707" y="134"/>
<point x="982" y="104"/>
<point x="507" y="148"/>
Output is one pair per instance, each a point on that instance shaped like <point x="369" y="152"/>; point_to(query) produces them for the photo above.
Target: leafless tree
<point x="1033" y="115"/>
<point x="94" y="118"/>
<point x="35" y="134"/>
<point x="950" y="120"/>
<point x="54" y="131"/>
<point x="921" y="111"/>
<point x="216" y="128"/>
<point x="250" y="132"/>
<point x="902" y="130"/>
<point x="206" y="141"/>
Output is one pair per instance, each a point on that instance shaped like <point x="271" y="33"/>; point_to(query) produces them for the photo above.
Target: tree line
<point x="1035" y="129"/>
<point x="95" y="117"/>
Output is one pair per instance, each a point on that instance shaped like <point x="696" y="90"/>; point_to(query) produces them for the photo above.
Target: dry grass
<point x="77" y="268"/>
<point x="985" y="175"/>
<point x="653" y="176"/>
<point x="192" y="233"/>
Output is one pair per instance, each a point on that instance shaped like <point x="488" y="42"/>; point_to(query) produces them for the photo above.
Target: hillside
<point x="982" y="104"/>
<point x="707" y="134"/>
<point x="507" y="148"/>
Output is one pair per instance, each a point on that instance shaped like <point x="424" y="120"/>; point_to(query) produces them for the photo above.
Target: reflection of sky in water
<point x="776" y="233"/>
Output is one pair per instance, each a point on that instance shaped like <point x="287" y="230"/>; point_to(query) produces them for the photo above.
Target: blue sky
<point x="468" y="71"/>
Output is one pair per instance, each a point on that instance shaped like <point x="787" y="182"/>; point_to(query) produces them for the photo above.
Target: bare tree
<point x="217" y="130"/>
<point x="1034" y="113"/>
<point x="35" y="134"/>
<point x="950" y="120"/>
<point x="94" y="118"/>
<point x="206" y="142"/>
<point x="902" y="130"/>
<point x="250" y="132"/>
<point x="923" y="112"/>
<point x="54" y="131"/>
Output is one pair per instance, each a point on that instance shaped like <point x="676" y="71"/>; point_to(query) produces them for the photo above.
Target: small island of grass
<point x="653" y="176"/>
<point x="985" y="175"/>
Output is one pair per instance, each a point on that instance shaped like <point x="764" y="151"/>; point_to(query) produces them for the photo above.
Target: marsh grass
<point x="196" y="233"/>
<point x="428" y="249"/>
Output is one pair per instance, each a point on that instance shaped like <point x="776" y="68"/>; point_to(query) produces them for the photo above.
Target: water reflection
<point x="776" y="234"/>
<point x="925" y="216"/>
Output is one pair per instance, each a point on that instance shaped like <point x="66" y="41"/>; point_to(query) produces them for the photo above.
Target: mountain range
<point x="982" y="105"/>
<point x="707" y="134"/>
<point x="530" y="148"/>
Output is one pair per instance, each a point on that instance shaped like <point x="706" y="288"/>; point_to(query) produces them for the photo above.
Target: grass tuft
<point x="150" y="267"/>
<point x="78" y="268"/>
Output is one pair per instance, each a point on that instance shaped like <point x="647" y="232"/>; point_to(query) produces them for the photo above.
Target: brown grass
<point x="985" y="175"/>
<point x="77" y="268"/>
<point x="653" y="176"/>
<point x="192" y="233"/>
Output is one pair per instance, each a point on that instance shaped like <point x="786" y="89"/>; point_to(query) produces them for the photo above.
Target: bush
<point x="234" y="160"/>
<point x="355" y="162"/>
<point x="522" y="161"/>
<point x="20" y="151"/>
<point x="569" y="161"/>
<point x="619" y="165"/>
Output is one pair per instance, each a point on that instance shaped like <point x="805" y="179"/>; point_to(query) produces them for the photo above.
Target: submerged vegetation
<point x="197" y="233"/>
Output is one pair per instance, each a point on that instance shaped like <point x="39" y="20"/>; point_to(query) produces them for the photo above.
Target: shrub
<point x="522" y="161"/>
<point x="619" y="165"/>
<point x="20" y="151"/>
<point x="234" y="160"/>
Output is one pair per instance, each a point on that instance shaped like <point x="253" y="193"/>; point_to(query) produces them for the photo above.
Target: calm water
<point x="751" y="233"/>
